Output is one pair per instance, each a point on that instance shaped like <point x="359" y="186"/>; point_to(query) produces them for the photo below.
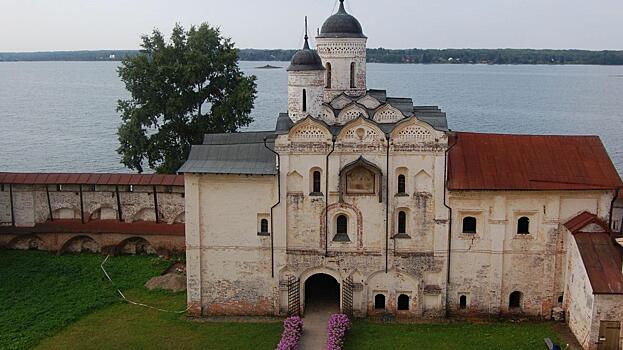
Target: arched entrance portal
<point x="322" y="293"/>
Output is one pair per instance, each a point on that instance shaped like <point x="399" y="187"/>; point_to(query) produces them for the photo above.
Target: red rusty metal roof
<point x="584" y="219"/>
<point x="602" y="260"/>
<point x="529" y="162"/>
<point x="601" y="256"/>
<point x="91" y="179"/>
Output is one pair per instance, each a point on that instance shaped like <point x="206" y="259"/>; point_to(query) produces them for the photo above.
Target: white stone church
<point x="372" y="203"/>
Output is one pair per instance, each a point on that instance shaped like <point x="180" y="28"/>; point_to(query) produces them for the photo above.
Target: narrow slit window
<point x="328" y="75"/>
<point x="316" y="182"/>
<point x="352" y="75"/>
<point x="264" y="226"/>
<point x="402" y="184"/>
<point x="304" y="100"/>
<point x="342" y="225"/>
<point x="402" y="222"/>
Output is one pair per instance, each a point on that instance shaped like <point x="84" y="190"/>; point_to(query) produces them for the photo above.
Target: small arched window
<point x="352" y="75"/>
<point x="463" y="302"/>
<point x="304" y="100"/>
<point x="342" y="225"/>
<point x="523" y="226"/>
<point x="469" y="224"/>
<point x="379" y="302"/>
<point x="402" y="222"/>
<point x="514" y="301"/>
<point x="316" y="182"/>
<point x="328" y="75"/>
<point x="264" y="226"/>
<point x="403" y="302"/>
<point x="402" y="184"/>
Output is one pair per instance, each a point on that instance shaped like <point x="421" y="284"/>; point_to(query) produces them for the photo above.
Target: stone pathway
<point x="315" y="326"/>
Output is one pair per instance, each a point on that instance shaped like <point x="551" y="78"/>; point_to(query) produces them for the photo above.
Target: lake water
<point x="60" y="116"/>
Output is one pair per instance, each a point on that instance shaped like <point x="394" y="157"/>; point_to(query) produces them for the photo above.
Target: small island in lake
<point x="268" y="66"/>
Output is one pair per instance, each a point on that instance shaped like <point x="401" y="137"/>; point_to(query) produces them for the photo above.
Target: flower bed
<point x="292" y="329"/>
<point x="338" y="325"/>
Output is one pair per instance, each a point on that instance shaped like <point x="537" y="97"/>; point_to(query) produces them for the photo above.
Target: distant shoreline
<point x="399" y="56"/>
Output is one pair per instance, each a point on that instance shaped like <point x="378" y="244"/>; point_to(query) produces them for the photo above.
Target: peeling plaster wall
<point x="30" y="203"/>
<point x="579" y="300"/>
<point x="229" y="264"/>
<point x="607" y="308"/>
<point x="488" y="266"/>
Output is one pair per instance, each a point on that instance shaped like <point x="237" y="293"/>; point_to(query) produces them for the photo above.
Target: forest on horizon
<point x="380" y="55"/>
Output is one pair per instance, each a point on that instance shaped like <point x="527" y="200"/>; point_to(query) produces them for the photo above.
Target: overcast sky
<point x="39" y="25"/>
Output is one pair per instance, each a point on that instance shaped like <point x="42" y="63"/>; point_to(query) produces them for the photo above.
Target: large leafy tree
<point x="181" y="89"/>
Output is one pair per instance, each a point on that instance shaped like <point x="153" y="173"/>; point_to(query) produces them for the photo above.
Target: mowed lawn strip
<point x="128" y="326"/>
<point x="452" y="336"/>
<point x="43" y="294"/>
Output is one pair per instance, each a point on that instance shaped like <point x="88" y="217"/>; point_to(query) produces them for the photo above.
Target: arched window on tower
<point x="352" y="75"/>
<point x="328" y="75"/>
<point x="304" y="100"/>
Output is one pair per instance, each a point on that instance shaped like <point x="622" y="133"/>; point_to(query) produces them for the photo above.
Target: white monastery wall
<point x="489" y="265"/>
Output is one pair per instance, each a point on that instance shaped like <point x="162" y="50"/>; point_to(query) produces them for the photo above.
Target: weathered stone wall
<point x="487" y="266"/>
<point x="340" y="53"/>
<point x="607" y="308"/>
<point x="313" y="83"/>
<point x="578" y="298"/>
<point x="35" y="216"/>
<point x="229" y="263"/>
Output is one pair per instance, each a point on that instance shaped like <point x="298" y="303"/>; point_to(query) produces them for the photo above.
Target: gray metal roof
<point x="341" y="25"/>
<point x="235" y="153"/>
<point x="305" y="60"/>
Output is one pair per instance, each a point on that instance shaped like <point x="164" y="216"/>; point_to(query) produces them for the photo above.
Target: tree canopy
<point x="180" y="90"/>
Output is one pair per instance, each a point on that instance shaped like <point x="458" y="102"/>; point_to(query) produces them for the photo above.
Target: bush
<point x="292" y="329"/>
<point x="338" y="325"/>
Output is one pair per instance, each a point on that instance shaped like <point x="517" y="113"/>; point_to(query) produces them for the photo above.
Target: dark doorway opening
<point x="322" y="293"/>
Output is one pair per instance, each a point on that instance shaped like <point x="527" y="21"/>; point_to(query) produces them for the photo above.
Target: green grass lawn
<point x="64" y="302"/>
<point x="451" y="336"/>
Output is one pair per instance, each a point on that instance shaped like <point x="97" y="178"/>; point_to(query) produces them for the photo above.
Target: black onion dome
<point x="305" y="59"/>
<point x="341" y="25"/>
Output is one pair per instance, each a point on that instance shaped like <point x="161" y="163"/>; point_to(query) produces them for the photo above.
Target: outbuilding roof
<point x="233" y="153"/>
<point x="529" y="162"/>
<point x="91" y="179"/>
<point x="600" y="254"/>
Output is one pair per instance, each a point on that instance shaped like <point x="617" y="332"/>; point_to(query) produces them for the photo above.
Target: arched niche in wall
<point x="361" y="178"/>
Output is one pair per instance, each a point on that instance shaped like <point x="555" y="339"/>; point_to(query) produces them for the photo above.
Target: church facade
<point x="373" y="199"/>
